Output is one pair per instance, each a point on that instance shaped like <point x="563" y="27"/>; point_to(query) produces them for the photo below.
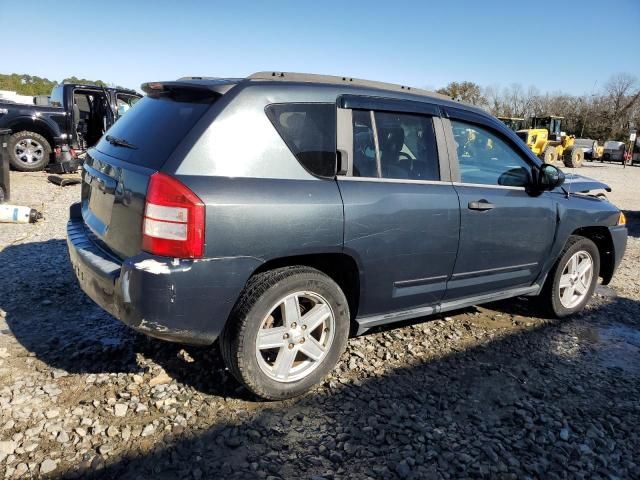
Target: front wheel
<point x="286" y="332"/>
<point x="574" y="158"/>
<point x="573" y="279"/>
<point x="550" y="155"/>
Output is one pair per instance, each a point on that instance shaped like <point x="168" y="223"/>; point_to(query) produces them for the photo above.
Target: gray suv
<point x="281" y="212"/>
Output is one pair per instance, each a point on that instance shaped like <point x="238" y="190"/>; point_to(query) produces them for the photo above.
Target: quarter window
<point x="309" y="130"/>
<point x="485" y="158"/>
<point x="405" y="149"/>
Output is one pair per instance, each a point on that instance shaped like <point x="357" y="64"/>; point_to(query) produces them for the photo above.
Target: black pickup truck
<point x="77" y="116"/>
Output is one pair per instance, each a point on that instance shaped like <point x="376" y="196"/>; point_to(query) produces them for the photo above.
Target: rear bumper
<point x="186" y="301"/>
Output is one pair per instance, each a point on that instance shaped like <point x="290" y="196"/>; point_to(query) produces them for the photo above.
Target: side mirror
<point x="550" y="177"/>
<point x="516" y="177"/>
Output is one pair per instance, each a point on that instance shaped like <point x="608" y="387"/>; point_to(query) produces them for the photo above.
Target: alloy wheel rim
<point x="29" y="150"/>
<point x="576" y="279"/>
<point x="295" y="336"/>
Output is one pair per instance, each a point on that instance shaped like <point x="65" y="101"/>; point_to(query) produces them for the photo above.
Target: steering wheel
<point x="406" y="157"/>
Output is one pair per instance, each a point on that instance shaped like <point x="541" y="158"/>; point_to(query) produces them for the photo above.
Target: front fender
<point x="574" y="213"/>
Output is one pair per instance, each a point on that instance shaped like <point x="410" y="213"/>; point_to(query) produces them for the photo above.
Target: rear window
<point x="155" y="126"/>
<point x="309" y="130"/>
<point x="57" y="96"/>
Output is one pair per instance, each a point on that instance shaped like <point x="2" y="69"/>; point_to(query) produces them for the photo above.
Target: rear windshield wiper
<point x="120" y="142"/>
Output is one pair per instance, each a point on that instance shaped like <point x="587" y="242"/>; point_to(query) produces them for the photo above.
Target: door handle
<point x="481" y="205"/>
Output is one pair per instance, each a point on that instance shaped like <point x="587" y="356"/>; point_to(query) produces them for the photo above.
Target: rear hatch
<point x="117" y="170"/>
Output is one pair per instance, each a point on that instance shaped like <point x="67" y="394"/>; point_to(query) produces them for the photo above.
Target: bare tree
<point x="600" y="115"/>
<point x="623" y="94"/>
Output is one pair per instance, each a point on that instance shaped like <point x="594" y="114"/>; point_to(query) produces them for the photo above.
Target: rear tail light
<point x="173" y="219"/>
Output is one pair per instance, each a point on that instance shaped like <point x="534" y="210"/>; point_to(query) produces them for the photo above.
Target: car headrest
<point x="294" y="121"/>
<point x="391" y="139"/>
<point x="362" y="140"/>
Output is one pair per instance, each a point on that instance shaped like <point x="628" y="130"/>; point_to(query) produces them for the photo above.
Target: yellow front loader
<point x="514" y="123"/>
<point x="546" y="139"/>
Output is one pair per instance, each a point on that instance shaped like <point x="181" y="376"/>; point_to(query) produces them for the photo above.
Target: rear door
<point x="117" y="170"/>
<point x="505" y="233"/>
<point x="401" y="210"/>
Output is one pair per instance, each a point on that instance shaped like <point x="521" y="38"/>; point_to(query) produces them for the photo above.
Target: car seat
<point x="391" y="141"/>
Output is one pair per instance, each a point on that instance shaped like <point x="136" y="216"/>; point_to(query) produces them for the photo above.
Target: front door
<point x="505" y="233"/>
<point x="401" y="212"/>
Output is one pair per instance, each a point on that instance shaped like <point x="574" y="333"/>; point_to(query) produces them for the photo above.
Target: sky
<point x="562" y="46"/>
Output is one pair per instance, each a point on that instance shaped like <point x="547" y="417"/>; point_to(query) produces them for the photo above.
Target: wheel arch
<point x="602" y="238"/>
<point x="340" y="267"/>
<point x="36" y="126"/>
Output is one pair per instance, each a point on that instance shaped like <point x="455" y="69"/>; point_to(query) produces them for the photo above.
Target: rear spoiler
<point x="218" y="86"/>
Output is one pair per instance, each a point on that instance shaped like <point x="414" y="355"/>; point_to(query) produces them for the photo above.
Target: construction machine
<point x="514" y="123"/>
<point x="547" y="140"/>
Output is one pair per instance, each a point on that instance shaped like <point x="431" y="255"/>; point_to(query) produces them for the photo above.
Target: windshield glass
<point x="154" y="126"/>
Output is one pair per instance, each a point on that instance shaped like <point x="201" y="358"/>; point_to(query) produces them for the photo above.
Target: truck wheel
<point x="574" y="158"/>
<point x="573" y="278"/>
<point x="28" y="151"/>
<point x="549" y="154"/>
<point x="286" y="332"/>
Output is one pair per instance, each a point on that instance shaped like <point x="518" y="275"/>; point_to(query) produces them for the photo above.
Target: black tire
<point x="574" y="158"/>
<point x="43" y="151"/>
<point x="549" y="154"/>
<point x="550" y="296"/>
<point x="263" y="291"/>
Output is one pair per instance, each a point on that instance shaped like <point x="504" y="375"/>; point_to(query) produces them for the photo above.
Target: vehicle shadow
<point x="502" y="400"/>
<point x="519" y="405"/>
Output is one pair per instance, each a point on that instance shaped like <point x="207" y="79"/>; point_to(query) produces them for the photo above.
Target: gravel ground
<point x="488" y="392"/>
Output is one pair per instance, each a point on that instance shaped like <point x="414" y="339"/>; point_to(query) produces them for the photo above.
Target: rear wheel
<point x="28" y="151"/>
<point x="286" y="332"/>
<point x="573" y="278"/>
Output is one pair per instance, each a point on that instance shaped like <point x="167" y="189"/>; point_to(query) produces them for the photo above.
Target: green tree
<point x="84" y="81"/>
<point x="26" y="84"/>
<point x="468" y="92"/>
<point x="33" y="85"/>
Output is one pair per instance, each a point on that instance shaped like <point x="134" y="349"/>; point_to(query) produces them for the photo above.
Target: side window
<point x="309" y="130"/>
<point x="407" y="146"/>
<point x="364" y="147"/>
<point x="486" y="159"/>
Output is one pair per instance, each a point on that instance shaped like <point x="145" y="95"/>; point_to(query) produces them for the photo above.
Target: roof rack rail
<point x="315" y="78"/>
<point x="198" y="78"/>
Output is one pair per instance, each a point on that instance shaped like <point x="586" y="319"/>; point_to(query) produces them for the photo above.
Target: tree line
<point x="34" y="85"/>
<point x="605" y="114"/>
